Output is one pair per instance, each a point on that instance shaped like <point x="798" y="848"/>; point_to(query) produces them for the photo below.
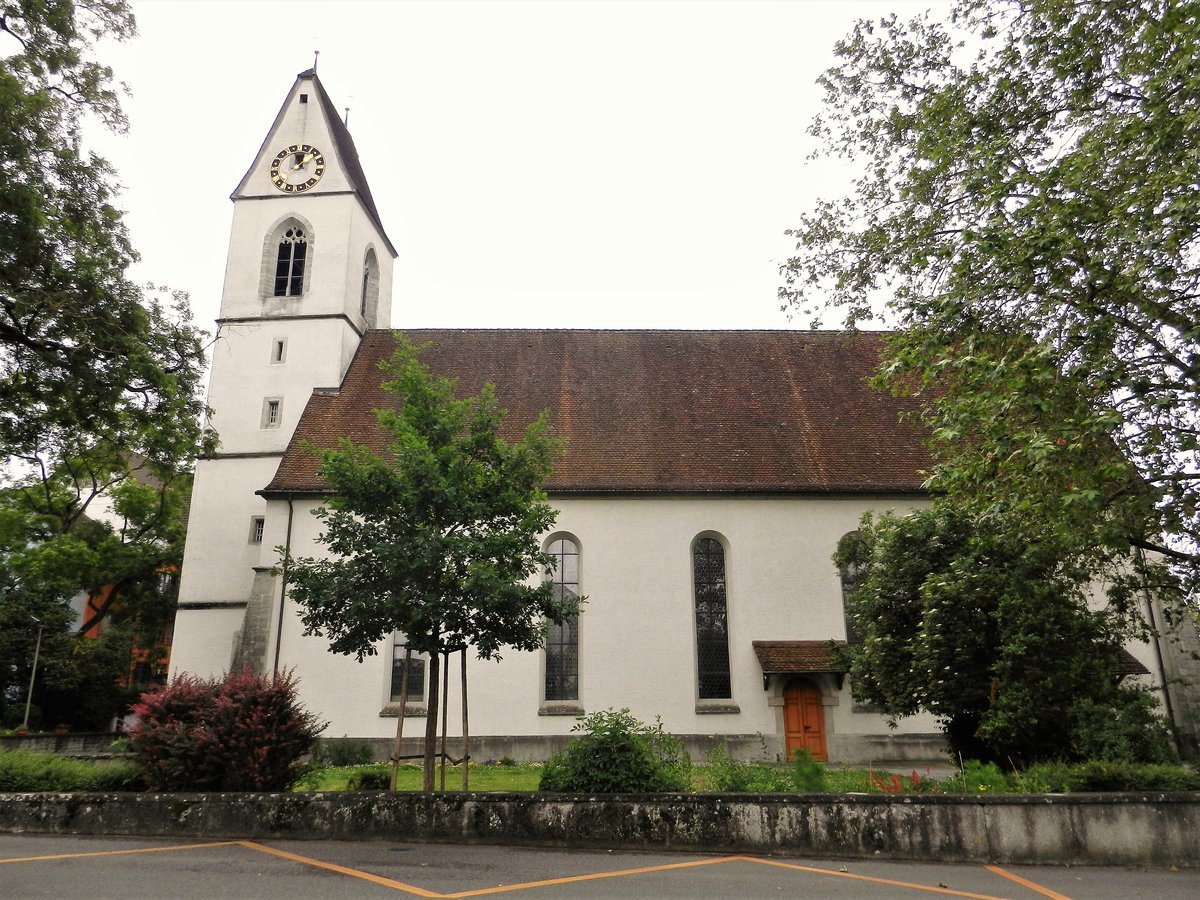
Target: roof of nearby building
<point x="1128" y="664"/>
<point x="784" y="657"/>
<point x="680" y="411"/>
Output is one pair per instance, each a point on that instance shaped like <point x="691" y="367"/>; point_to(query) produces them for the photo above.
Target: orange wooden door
<point x="804" y="718"/>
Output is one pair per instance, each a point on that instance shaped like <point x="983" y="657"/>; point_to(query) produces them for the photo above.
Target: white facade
<point x="637" y="644"/>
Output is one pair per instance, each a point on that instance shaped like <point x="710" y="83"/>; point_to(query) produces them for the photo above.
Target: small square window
<point x="258" y="525"/>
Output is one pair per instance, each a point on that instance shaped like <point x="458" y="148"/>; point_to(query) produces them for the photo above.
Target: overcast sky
<point x="536" y="164"/>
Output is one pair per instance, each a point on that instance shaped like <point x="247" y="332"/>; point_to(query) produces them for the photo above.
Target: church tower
<point x="309" y="270"/>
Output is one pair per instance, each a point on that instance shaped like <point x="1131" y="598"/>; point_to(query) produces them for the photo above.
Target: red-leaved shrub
<point x="243" y="732"/>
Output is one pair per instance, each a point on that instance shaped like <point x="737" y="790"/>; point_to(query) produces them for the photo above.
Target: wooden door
<point x="804" y="718"/>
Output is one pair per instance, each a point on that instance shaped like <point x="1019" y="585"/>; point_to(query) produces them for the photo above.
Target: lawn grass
<point x="482" y="778"/>
<point x="524" y="778"/>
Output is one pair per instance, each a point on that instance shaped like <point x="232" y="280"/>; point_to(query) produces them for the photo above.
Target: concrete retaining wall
<point x="1092" y="829"/>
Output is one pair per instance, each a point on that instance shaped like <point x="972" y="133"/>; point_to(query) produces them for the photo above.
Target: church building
<point x="706" y="481"/>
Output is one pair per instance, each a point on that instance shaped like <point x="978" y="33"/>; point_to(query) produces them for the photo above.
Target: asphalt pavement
<point x="73" y="866"/>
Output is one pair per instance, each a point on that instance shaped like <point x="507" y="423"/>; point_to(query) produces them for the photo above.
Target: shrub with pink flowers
<point x="243" y="732"/>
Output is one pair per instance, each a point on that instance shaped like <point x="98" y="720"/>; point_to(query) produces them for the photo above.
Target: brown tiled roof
<point x="782" y="657"/>
<point x="1128" y="664"/>
<point x="766" y="411"/>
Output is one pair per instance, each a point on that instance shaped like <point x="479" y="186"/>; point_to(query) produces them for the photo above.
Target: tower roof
<point x="344" y="149"/>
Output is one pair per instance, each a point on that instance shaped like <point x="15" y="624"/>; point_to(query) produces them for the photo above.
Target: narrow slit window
<point x="272" y="412"/>
<point x="278" y="350"/>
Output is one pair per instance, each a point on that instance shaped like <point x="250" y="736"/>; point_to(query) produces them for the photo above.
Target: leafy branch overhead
<point x="1028" y="203"/>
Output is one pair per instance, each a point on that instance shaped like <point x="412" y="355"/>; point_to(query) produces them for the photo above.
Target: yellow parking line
<point x="1045" y="892"/>
<point x="332" y="867"/>
<point x="871" y="878"/>
<point x="121" y="852"/>
<point x="571" y="879"/>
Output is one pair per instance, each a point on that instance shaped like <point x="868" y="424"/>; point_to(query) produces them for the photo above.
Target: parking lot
<point x="66" y="866"/>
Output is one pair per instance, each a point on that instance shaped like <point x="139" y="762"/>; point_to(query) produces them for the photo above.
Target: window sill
<point x="560" y="708"/>
<point x="393" y="711"/>
<point x="717" y="708"/>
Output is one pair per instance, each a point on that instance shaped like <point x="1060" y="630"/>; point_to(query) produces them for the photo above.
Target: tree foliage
<point x="993" y="634"/>
<point x="100" y="381"/>
<point x="1028" y="201"/>
<point x="438" y="538"/>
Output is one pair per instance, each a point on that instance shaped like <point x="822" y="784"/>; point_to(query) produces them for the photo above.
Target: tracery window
<point x="562" y="642"/>
<point x="289" y="263"/>
<point x="712" y="626"/>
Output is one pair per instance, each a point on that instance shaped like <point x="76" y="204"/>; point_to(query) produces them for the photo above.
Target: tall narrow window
<point x="712" y="629"/>
<point x="562" y="642"/>
<point x="278" y="351"/>
<point x="369" y="299"/>
<point x="416" y="672"/>
<point x="258" y="525"/>
<point x="289" y="263"/>
<point x="852" y="558"/>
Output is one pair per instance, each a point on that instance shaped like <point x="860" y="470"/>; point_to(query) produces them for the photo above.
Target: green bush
<point x="342" y="751"/>
<point x="729" y="775"/>
<point x="808" y="775"/>
<point x="616" y="754"/>
<point x="1125" y="726"/>
<point x="978" y="778"/>
<point x="1101" y="775"/>
<point x="244" y="732"/>
<point x="373" y="779"/>
<point x="21" y="770"/>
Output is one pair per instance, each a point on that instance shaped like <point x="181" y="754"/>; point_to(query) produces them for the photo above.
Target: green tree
<point x="438" y="538"/>
<point x="100" y="381"/>
<point x="1028" y="202"/>
<point x="989" y="631"/>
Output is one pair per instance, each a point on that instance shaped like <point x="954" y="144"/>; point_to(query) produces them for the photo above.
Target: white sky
<point x="536" y="164"/>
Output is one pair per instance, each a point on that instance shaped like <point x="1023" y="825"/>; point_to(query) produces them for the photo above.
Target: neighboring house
<point x="707" y="479"/>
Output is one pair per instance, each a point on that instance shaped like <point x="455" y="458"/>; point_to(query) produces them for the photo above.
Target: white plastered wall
<point x="637" y="646"/>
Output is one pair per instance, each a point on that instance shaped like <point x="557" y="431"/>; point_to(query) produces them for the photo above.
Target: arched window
<point x="290" y="258"/>
<point x="712" y="626"/>
<point x="369" y="299"/>
<point x="562" y="642"/>
<point x="852" y="568"/>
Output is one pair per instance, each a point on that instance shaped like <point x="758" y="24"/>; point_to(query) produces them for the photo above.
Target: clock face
<point x="297" y="168"/>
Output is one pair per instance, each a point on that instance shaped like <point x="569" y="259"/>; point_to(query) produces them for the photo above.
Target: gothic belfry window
<point x="369" y="297"/>
<point x="289" y="263"/>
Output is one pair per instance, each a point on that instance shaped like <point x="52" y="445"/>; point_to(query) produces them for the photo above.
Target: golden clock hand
<point x="305" y="161"/>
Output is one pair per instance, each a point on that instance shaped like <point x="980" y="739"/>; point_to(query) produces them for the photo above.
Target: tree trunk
<point x="431" y="718"/>
<point x="466" y="755"/>
<point x="400" y="718"/>
<point x="445" y="713"/>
